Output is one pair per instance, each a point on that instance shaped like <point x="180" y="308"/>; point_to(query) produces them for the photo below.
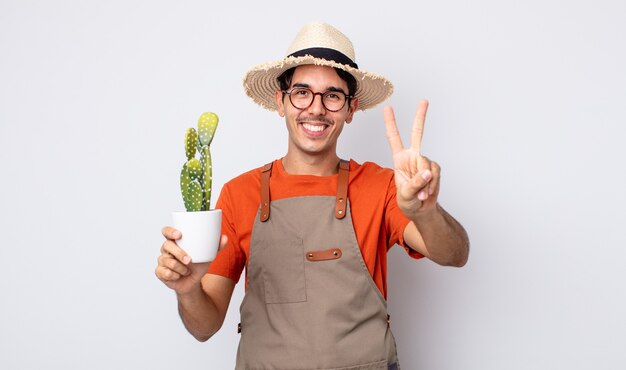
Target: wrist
<point x="425" y="214"/>
<point x="191" y="293"/>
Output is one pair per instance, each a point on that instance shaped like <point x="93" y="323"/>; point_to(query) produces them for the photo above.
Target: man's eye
<point x="332" y="96"/>
<point x="302" y="92"/>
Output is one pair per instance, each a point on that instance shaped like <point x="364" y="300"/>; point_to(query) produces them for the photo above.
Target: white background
<point x="527" y="120"/>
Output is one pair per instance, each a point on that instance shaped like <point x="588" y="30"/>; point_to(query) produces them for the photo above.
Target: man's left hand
<point x="416" y="176"/>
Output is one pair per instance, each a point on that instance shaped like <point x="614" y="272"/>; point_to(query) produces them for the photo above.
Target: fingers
<point x="170" y="269"/>
<point x="433" y="187"/>
<point x="418" y="125"/>
<point x="417" y="131"/>
<point x="171" y="233"/>
<point x="170" y="247"/>
<point x="416" y="186"/>
<point x="425" y="180"/>
<point x="424" y="168"/>
<point x="393" y="136"/>
<point x="172" y="262"/>
<point x="426" y="185"/>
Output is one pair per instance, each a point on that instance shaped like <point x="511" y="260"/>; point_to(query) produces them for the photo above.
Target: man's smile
<point x="311" y="127"/>
<point x="314" y="126"/>
<point x="314" y="129"/>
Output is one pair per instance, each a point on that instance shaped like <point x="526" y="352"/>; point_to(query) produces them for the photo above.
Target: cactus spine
<point x="197" y="175"/>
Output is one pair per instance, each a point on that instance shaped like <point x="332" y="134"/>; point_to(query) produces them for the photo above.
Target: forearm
<point x="199" y="314"/>
<point x="445" y="240"/>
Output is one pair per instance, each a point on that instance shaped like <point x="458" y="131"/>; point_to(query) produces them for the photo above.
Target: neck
<point x="311" y="165"/>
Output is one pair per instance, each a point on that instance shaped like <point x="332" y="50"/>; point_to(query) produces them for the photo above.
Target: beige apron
<point x="310" y="302"/>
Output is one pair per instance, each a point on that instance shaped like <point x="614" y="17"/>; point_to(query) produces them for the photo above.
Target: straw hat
<point x="319" y="44"/>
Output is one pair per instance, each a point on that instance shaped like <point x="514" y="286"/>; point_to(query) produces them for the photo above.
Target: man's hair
<point x="285" y="80"/>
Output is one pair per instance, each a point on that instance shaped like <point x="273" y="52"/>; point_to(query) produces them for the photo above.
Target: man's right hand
<point x="175" y="268"/>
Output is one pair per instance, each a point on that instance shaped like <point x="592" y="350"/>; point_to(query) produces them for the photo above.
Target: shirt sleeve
<point x="231" y="260"/>
<point x="396" y="221"/>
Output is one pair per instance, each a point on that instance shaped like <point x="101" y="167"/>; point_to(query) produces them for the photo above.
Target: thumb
<point x="417" y="183"/>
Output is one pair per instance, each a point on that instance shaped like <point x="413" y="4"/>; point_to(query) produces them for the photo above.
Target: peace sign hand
<point x="416" y="176"/>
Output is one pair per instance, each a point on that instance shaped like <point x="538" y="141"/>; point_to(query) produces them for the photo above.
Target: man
<point x="312" y="230"/>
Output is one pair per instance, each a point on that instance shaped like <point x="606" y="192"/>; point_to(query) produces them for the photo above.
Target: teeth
<point x="314" y="128"/>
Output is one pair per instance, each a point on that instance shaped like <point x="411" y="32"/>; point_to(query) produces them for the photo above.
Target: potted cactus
<point x="199" y="225"/>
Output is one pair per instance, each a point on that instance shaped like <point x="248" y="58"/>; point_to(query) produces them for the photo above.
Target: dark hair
<point x="284" y="80"/>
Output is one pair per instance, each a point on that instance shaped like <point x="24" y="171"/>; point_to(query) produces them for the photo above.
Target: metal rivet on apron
<point x="310" y="255"/>
<point x="340" y="212"/>
<point x="335" y="253"/>
<point x="340" y="200"/>
<point x="265" y="215"/>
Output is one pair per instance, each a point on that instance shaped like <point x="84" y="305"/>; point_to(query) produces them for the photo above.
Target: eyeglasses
<point x="302" y="98"/>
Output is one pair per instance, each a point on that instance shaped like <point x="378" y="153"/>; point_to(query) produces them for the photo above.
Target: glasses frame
<point x="321" y="94"/>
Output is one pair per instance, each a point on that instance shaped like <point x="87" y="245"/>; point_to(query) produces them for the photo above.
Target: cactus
<point x="196" y="175"/>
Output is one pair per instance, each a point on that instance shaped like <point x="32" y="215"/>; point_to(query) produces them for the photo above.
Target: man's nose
<point x="317" y="106"/>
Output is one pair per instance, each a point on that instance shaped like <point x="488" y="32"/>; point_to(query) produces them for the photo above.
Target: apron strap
<point x="342" y="189"/>
<point x="265" y="192"/>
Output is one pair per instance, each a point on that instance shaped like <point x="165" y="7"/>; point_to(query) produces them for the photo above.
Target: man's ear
<point x="354" y="105"/>
<point x="278" y="95"/>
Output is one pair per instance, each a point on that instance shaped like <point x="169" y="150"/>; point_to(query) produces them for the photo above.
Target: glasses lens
<point x="334" y="100"/>
<point x="301" y="98"/>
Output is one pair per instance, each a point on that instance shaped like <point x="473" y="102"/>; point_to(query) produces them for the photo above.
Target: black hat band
<point x="325" y="53"/>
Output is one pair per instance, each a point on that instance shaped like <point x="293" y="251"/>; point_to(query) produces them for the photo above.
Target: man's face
<point x="314" y="130"/>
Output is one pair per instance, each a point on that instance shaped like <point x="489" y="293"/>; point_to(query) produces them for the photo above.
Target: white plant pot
<point x="201" y="233"/>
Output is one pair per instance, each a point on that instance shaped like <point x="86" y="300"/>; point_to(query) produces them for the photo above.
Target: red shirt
<point x="378" y="222"/>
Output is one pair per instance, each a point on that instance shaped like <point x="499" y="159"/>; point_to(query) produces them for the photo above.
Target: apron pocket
<point x="283" y="271"/>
